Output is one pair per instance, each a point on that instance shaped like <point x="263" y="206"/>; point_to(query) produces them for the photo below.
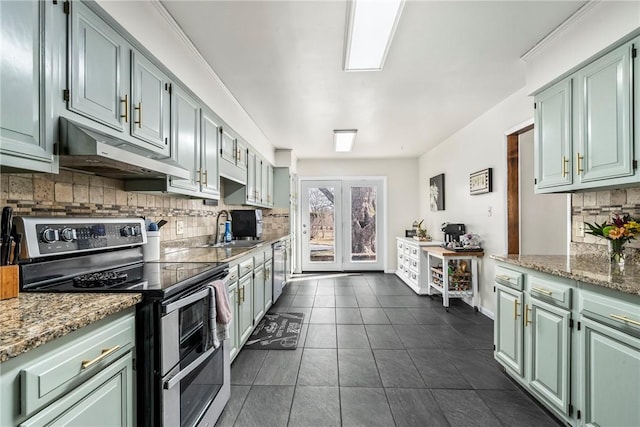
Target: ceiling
<point x="449" y="62"/>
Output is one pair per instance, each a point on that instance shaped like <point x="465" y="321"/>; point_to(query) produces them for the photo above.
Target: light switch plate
<point x="179" y="227"/>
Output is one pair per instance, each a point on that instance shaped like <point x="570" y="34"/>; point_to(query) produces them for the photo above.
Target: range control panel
<point x="55" y="236"/>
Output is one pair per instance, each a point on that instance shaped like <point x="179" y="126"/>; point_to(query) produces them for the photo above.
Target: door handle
<point x="125" y="116"/>
<point x="515" y="309"/>
<point x="139" y="110"/>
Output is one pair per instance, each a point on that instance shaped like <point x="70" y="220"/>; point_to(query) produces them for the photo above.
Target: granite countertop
<point x="33" y="319"/>
<point x="581" y="268"/>
<point x="210" y="254"/>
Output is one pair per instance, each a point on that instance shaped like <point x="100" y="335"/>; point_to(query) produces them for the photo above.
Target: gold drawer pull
<point x="565" y="162"/>
<point x="542" y="291"/>
<point x="105" y="352"/>
<point x="125" y="116"/>
<point x="580" y="169"/>
<point x="515" y="309"/>
<point x="199" y="179"/>
<point x="206" y="180"/>
<point x="625" y="319"/>
<point x="503" y="277"/>
<point x="527" y="310"/>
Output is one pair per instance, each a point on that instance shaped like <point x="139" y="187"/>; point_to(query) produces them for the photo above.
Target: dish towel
<point x="219" y="313"/>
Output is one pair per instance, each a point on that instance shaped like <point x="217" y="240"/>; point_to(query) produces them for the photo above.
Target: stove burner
<point x="96" y="280"/>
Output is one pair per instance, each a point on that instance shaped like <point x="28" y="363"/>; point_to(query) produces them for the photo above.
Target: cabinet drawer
<point x="400" y="245"/>
<point x="73" y="363"/>
<point x="268" y="254"/>
<point x="618" y="314"/>
<point x="510" y="278"/>
<point x="546" y="290"/>
<point x="233" y="274"/>
<point x="246" y="267"/>
<point x="414" y="265"/>
<point x="258" y="258"/>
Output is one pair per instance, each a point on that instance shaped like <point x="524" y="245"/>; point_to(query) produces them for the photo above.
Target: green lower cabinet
<point x="508" y="337"/>
<point x="258" y="294"/>
<point x="245" y="308"/>
<point x="233" y="326"/>
<point x="268" y="284"/>
<point x="610" y="376"/>
<point x="549" y="350"/>
<point x="105" y="399"/>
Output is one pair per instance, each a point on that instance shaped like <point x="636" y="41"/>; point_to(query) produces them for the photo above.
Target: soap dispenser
<point x="227" y="231"/>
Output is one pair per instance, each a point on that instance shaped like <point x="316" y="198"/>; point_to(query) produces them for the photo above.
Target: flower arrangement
<point x="620" y="230"/>
<point x="470" y="240"/>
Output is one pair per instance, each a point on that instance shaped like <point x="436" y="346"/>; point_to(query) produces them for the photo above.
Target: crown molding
<point x="559" y="29"/>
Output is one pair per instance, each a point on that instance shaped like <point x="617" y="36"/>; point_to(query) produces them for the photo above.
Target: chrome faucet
<point x="226" y="214"/>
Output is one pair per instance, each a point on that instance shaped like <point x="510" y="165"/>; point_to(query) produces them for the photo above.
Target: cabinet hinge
<point x="66" y="7"/>
<point x="170" y="88"/>
<point x="535" y="180"/>
<point x="579" y="415"/>
<point x="570" y="409"/>
<point x="166" y="141"/>
<point x="65" y="94"/>
<point x="635" y="164"/>
<point x="634" y="52"/>
<point x="579" y="325"/>
<point x="494" y="347"/>
<point x="55" y="1"/>
<point x="534" y="106"/>
<point x="570" y="323"/>
<point x="494" y="289"/>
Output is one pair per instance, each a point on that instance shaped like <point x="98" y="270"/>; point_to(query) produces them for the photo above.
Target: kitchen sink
<point x="236" y="244"/>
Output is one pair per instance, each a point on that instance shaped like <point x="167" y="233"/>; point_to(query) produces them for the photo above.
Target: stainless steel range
<point x="182" y="379"/>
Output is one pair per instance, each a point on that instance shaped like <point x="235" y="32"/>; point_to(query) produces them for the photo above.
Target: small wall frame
<point x="480" y="182"/>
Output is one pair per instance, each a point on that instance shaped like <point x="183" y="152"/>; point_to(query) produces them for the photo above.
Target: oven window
<point x="191" y="332"/>
<point x="200" y="387"/>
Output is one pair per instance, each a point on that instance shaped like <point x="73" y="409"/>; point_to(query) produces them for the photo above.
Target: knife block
<point x="9" y="281"/>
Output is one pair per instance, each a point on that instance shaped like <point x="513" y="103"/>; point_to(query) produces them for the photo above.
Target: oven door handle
<point x="171" y="382"/>
<point x="183" y="302"/>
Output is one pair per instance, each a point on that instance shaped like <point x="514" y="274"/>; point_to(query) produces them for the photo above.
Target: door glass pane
<point x="363" y="223"/>
<point x="322" y="244"/>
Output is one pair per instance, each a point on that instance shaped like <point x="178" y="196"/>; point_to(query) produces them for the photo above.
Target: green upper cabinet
<point x="252" y="192"/>
<point x="210" y="177"/>
<point x="98" y="68"/>
<point x="149" y="106"/>
<point x="605" y="122"/>
<point x="553" y="136"/>
<point x="267" y="184"/>
<point x="584" y="125"/>
<point x="185" y="138"/>
<point x="233" y="157"/>
<point x="26" y="125"/>
<point x="258" y="184"/>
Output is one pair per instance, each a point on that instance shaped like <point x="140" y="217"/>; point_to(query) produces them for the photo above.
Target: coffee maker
<point x="452" y="233"/>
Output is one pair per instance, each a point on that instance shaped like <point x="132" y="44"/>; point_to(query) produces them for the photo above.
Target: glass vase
<point x="616" y="252"/>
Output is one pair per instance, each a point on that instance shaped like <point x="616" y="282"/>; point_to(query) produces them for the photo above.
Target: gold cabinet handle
<point x="580" y="158"/>
<point x="516" y="303"/>
<point x="125" y="116"/>
<point x="199" y="172"/>
<point x="527" y="311"/>
<point x="205" y="177"/>
<point x="565" y="163"/>
<point x="139" y="110"/>
<point x="503" y="277"/>
<point x="242" y="295"/>
<point x="542" y="291"/>
<point x="625" y="319"/>
<point x="105" y="352"/>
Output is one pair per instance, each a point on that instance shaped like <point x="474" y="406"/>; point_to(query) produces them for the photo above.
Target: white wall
<point x="402" y="204"/>
<point x="602" y="24"/>
<point x="544" y="220"/>
<point x="479" y="145"/>
<point x="144" y="21"/>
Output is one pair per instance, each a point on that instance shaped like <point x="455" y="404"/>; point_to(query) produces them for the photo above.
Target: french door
<point x="342" y="225"/>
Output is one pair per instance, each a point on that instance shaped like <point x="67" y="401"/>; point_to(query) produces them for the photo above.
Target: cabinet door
<point x="258" y="294"/>
<point x="270" y="186"/>
<point x="149" y="107"/>
<point x="185" y="138"/>
<point x="107" y="397"/>
<point x="24" y="80"/>
<point x="242" y="163"/>
<point x="245" y="308"/>
<point x="610" y="376"/>
<point x="259" y="193"/>
<point x="98" y="68"/>
<point x="268" y="284"/>
<point x="552" y="137"/>
<point x="605" y="117"/>
<point x="209" y="157"/>
<point x="548" y="353"/>
<point x="264" y="193"/>
<point x="233" y="325"/>
<point x="508" y="329"/>
<point x="251" y="177"/>
<point x="228" y="151"/>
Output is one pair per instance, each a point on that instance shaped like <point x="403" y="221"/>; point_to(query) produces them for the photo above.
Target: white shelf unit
<point x="412" y="263"/>
<point x="452" y="274"/>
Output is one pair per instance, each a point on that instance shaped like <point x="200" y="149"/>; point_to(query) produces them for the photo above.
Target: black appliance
<point x="452" y="232"/>
<point x="181" y="379"/>
<point x="246" y="223"/>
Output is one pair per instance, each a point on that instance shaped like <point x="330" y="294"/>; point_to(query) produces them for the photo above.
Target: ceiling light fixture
<point x="343" y="139"/>
<point x="370" y="28"/>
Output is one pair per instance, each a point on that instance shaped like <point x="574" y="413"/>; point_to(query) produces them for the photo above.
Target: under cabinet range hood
<point x="89" y="150"/>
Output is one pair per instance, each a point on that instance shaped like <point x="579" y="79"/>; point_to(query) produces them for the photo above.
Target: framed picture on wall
<point x="436" y="192"/>
<point x="480" y="182"/>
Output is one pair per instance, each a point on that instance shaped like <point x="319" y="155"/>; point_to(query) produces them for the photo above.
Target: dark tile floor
<point x="373" y="353"/>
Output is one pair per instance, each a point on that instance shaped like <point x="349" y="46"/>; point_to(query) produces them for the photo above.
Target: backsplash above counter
<point x="81" y="195"/>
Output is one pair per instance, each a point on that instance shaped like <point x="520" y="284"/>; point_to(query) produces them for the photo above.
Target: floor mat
<point x="277" y="331"/>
